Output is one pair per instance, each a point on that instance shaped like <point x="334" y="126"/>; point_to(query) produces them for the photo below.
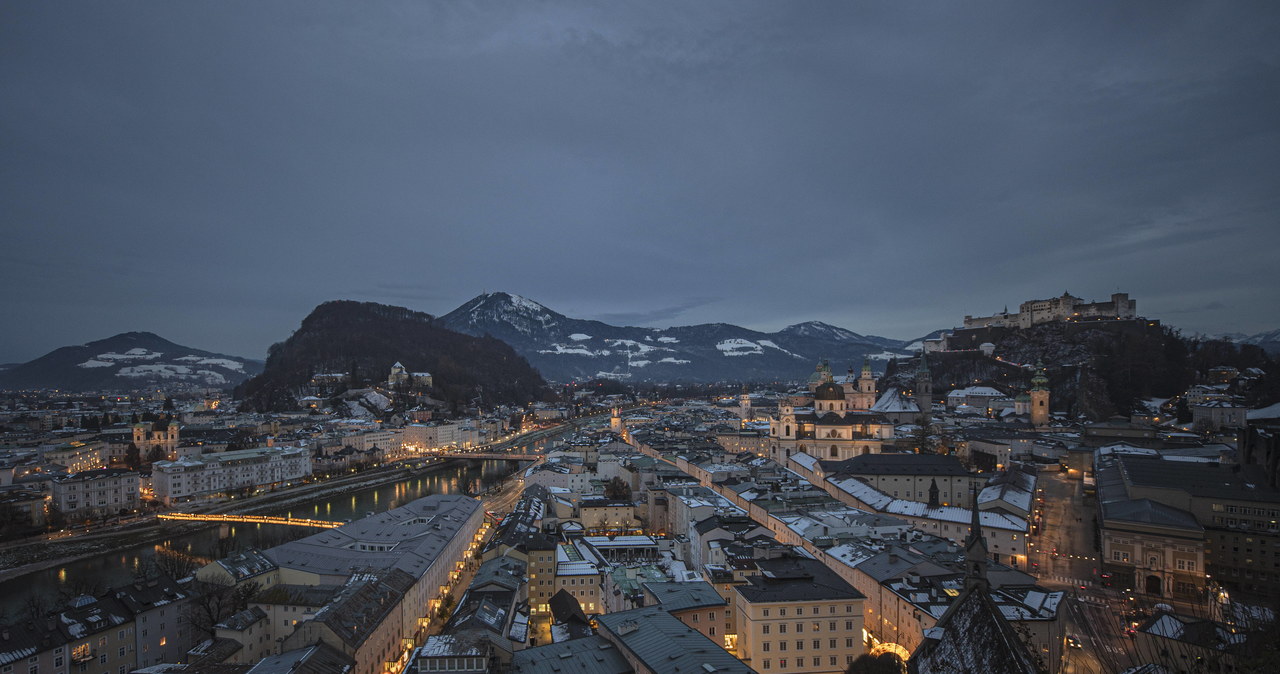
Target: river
<point x="95" y="574"/>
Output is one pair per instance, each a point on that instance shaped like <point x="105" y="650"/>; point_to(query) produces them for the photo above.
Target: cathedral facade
<point x="834" y="422"/>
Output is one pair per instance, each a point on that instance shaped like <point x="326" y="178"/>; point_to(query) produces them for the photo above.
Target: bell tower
<point x="924" y="390"/>
<point x="865" y="397"/>
<point x="1040" y="398"/>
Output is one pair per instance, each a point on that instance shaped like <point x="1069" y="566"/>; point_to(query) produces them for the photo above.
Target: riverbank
<point x="26" y="558"/>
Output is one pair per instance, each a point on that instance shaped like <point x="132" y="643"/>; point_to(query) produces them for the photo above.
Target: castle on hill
<point x="1057" y="309"/>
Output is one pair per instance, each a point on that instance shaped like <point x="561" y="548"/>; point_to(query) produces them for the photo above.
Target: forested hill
<point x="1100" y="369"/>
<point x="366" y="339"/>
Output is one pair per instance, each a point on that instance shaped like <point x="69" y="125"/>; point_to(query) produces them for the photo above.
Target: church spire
<point x="975" y="549"/>
<point x="933" y="494"/>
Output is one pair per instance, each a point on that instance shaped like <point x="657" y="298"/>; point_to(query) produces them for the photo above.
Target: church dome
<point x="828" y="391"/>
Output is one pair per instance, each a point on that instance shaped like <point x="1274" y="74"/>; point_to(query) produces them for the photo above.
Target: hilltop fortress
<point x="1065" y="308"/>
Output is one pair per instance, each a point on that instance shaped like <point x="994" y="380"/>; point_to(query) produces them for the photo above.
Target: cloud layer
<point x="211" y="171"/>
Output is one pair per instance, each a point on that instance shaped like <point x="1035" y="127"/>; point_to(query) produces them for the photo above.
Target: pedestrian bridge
<point x="251" y="519"/>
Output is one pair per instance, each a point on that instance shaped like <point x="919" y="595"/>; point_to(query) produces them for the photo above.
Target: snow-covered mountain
<point x="570" y="349"/>
<point x="129" y="361"/>
<point x="1269" y="341"/>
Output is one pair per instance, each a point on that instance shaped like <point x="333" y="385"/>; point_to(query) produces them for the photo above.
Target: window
<point x="782" y="611"/>
<point x="848" y="643"/>
<point x="767" y="664"/>
<point x="765" y="629"/>
<point x="817" y="627"/>
<point x="765" y="646"/>
<point x="848" y="625"/>
<point x="766" y="613"/>
<point x="782" y="645"/>
<point x="831" y="625"/>
<point x="782" y="628"/>
<point x="799" y="627"/>
<point x="799" y="644"/>
<point x="817" y="644"/>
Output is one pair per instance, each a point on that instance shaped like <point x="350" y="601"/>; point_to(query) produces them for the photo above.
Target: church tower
<point x="615" y="422"/>
<point x="1040" y="398"/>
<point x="924" y="390"/>
<point x="975" y="550"/>
<point x="744" y="404"/>
<point x="865" y="397"/>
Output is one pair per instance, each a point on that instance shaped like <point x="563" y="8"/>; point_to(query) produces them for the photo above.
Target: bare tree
<point x="212" y="602"/>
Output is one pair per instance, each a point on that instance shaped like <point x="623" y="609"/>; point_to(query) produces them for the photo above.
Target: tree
<point x="168" y="404"/>
<point x="213" y="602"/>
<point x="156" y="453"/>
<point x="54" y="518"/>
<point x="885" y="663"/>
<point x="133" y="457"/>
<point x="618" y="490"/>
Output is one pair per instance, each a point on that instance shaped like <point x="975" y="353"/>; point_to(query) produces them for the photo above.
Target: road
<point x="1065" y="559"/>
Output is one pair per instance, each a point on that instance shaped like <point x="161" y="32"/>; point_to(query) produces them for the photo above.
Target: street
<point x="1064" y="558"/>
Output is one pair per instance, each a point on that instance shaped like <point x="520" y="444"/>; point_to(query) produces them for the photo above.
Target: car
<point x="1073" y="642"/>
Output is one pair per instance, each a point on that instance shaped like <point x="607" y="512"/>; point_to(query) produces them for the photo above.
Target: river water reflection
<point x="118" y="567"/>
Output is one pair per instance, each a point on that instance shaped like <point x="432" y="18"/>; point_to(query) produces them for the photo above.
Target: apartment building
<point x="798" y="616"/>
<point x="105" y="491"/>
<point x="206" y="474"/>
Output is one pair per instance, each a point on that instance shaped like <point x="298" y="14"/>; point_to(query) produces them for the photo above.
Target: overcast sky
<point x="210" y="171"/>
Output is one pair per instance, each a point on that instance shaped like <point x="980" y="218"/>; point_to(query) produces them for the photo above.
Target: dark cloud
<point x="212" y="171"/>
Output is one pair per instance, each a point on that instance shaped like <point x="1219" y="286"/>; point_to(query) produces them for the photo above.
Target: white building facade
<point x="207" y="474"/>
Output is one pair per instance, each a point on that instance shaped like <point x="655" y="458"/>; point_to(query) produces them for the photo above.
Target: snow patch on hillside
<point x="163" y="370"/>
<point x="377" y="400"/>
<point x="674" y="361"/>
<point x="578" y="337"/>
<point x="219" y="362"/>
<point x="628" y="345"/>
<point x="883" y="355"/>
<point x="740" y="347"/>
<point x="668" y="340"/>
<point x="569" y="349"/>
<point x="638" y="363"/>
<point x="212" y="378"/>
<point x="914" y="346"/>
<point x="771" y="345"/>
<point x="131" y="354"/>
<point x="95" y="363"/>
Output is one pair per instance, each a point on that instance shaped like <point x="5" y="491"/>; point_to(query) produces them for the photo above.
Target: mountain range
<point x="1267" y="341"/>
<point x="131" y="360"/>
<point x="568" y="349"/>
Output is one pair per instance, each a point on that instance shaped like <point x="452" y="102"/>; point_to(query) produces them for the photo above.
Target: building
<point x="1218" y="415"/>
<point x="77" y="456"/>
<point x="797" y="615"/>
<point x="388" y="575"/>
<point x="830" y="427"/>
<point x="1232" y="504"/>
<point x="1065" y="308"/>
<point x="1039" y="394"/>
<point x="652" y="641"/>
<point x="161" y="631"/>
<point x="248" y="469"/>
<point x="162" y="434"/>
<point x="973" y="635"/>
<point x="102" y="492"/>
